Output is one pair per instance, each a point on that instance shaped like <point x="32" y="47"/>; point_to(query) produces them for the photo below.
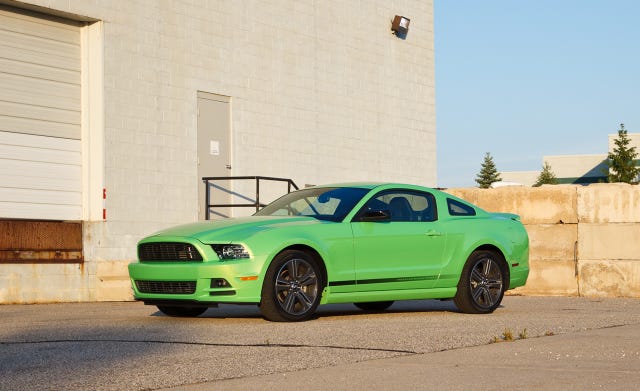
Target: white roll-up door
<point x="40" y="98"/>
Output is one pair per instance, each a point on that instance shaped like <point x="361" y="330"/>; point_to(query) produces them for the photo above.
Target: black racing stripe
<point x="383" y="280"/>
<point x="342" y="283"/>
<point x="397" y="279"/>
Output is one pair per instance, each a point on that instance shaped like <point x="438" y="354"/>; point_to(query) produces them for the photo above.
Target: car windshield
<point x="324" y="203"/>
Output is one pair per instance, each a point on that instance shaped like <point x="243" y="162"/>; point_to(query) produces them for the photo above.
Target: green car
<point x="364" y="243"/>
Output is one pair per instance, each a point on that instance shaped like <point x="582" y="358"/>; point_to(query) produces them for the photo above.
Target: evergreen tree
<point x="488" y="173"/>
<point x="621" y="162"/>
<point x="546" y="177"/>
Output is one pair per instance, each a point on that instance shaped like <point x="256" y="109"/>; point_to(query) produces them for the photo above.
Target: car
<point x="364" y="243"/>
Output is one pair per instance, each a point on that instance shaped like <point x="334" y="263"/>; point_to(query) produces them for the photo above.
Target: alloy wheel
<point x="486" y="283"/>
<point x="296" y="286"/>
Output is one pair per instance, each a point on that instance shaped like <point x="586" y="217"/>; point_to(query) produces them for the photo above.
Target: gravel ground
<point x="112" y="346"/>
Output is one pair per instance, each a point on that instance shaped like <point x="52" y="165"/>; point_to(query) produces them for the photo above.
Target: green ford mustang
<point x="367" y="244"/>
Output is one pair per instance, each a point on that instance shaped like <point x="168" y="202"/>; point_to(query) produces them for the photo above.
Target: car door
<point x="402" y="250"/>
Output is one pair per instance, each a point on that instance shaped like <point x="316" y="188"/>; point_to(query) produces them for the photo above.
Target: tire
<point x="374" y="305"/>
<point x="482" y="283"/>
<point x="292" y="287"/>
<point x="182" y="312"/>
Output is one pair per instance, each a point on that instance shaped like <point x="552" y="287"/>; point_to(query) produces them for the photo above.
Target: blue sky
<point x="526" y="78"/>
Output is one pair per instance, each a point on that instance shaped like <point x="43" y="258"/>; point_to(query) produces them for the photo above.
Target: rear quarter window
<point x="457" y="208"/>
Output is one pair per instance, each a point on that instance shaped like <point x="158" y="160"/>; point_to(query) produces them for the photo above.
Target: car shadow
<point x="399" y="307"/>
<point x="235" y="311"/>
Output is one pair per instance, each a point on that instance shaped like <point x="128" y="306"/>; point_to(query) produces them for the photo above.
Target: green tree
<point x="546" y="177"/>
<point x="621" y="162"/>
<point x="488" y="173"/>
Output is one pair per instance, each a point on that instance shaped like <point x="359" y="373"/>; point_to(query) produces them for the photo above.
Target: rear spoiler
<point x="509" y="216"/>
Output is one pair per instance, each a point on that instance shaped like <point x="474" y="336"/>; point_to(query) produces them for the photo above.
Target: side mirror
<point x="376" y="215"/>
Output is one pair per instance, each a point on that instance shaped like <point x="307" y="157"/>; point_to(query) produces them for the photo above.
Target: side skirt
<point x="405" y="294"/>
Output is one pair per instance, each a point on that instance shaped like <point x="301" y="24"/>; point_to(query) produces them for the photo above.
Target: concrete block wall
<point x="320" y="92"/>
<point x="584" y="240"/>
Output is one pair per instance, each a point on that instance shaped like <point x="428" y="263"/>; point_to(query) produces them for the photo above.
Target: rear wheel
<point x="374" y="305"/>
<point x="482" y="283"/>
<point x="292" y="287"/>
<point x="182" y="312"/>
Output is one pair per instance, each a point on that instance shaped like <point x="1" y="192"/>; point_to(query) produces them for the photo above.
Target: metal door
<point x="214" y="152"/>
<point x="40" y="116"/>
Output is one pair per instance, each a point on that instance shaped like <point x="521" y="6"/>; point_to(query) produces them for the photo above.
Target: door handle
<point x="228" y="166"/>
<point x="433" y="232"/>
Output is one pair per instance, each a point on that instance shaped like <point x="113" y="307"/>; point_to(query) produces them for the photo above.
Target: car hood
<point x="235" y="229"/>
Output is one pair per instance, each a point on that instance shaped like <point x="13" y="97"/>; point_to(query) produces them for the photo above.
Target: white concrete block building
<point x="111" y="112"/>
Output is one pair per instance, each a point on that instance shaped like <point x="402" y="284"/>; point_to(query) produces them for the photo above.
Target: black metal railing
<point x="209" y="182"/>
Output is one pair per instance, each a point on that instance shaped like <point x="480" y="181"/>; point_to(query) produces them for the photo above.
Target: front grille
<point x="168" y="251"/>
<point x="169" y="287"/>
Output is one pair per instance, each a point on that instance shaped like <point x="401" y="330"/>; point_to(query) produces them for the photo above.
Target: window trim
<point x="358" y="217"/>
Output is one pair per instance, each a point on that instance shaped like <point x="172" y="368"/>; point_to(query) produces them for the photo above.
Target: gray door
<point x="214" y="153"/>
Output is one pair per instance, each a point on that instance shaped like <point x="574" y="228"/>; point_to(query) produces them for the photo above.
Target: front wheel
<point x="292" y="287"/>
<point x="482" y="283"/>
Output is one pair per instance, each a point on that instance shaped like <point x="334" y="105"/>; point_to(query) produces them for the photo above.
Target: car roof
<point x="373" y="185"/>
<point x="362" y="185"/>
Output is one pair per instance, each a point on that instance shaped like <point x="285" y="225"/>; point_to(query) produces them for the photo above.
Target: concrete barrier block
<point x="609" y="278"/>
<point x="552" y="241"/>
<point x="112" y="281"/>
<point x="609" y="203"/>
<point x="57" y="283"/>
<point x="609" y="241"/>
<point x="550" y="278"/>
<point x="538" y="205"/>
<point x="9" y="286"/>
<point x="44" y="283"/>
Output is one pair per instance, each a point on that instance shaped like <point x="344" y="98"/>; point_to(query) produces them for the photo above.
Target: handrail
<point x="257" y="204"/>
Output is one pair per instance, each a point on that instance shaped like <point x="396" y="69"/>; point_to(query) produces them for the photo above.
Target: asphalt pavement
<point x="540" y="343"/>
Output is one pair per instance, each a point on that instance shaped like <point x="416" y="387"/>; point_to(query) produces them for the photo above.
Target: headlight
<point x="230" y="251"/>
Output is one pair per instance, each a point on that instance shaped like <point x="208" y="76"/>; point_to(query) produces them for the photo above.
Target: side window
<point x="405" y="205"/>
<point x="457" y="208"/>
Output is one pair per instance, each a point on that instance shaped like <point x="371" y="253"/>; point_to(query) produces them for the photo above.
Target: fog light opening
<point x="220" y="283"/>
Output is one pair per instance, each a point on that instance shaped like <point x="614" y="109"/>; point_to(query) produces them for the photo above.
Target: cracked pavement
<point x="113" y="346"/>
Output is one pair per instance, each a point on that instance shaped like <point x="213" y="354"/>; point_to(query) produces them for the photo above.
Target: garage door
<point x="40" y="150"/>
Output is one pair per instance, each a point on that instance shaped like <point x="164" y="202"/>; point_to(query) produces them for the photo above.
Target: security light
<point x="400" y="25"/>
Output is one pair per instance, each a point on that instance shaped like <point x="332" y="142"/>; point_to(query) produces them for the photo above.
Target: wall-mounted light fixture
<point x="400" y="25"/>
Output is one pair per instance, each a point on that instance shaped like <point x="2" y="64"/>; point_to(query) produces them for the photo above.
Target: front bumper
<point x="196" y="282"/>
